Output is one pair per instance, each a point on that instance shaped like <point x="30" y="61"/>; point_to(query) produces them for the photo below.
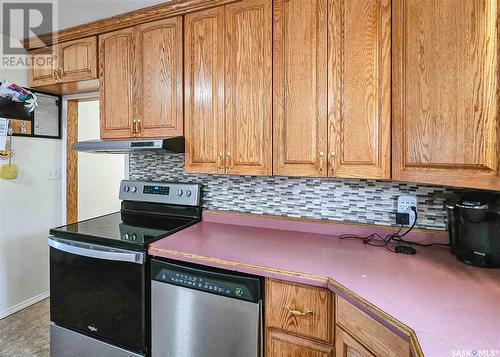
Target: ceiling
<point x="78" y="12"/>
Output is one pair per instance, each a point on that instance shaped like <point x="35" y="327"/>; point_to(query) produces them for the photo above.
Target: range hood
<point x="127" y="146"/>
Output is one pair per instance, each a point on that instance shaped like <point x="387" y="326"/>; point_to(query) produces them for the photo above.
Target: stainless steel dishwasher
<point x="204" y="312"/>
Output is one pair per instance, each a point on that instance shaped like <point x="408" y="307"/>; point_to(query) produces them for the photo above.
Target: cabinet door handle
<point x="332" y="163"/>
<point x="229" y="161"/>
<point x="56" y="74"/>
<point x="298" y="312"/>
<point x="220" y="161"/>
<point x="59" y="74"/>
<point x="321" y="161"/>
<point x="132" y="127"/>
<point x="138" y="127"/>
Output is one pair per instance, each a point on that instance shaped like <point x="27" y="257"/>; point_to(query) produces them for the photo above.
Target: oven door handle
<point x="96" y="251"/>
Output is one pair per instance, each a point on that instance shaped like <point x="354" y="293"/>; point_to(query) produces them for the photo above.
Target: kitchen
<point x="303" y="178"/>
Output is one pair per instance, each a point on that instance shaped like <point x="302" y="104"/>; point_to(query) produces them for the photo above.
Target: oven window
<point x="101" y="298"/>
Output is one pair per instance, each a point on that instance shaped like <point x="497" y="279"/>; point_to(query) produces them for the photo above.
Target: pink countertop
<point x="450" y="306"/>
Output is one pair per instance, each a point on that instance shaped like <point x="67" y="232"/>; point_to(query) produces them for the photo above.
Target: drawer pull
<point x="297" y="312"/>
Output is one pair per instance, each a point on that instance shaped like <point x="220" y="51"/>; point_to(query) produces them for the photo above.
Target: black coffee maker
<point x="474" y="228"/>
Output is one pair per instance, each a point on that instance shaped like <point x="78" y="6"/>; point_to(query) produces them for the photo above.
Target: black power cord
<point x="377" y="240"/>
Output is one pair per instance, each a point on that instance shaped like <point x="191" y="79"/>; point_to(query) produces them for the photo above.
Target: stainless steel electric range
<point x="99" y="270"/>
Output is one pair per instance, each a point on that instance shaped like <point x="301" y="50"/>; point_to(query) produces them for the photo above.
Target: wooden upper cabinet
<point x="248" y="87"/>
<point x="44" y="63"/>
<point x="359" y="89"/>
<point x="158" y="78"/>
<point x="141" y="81"/>
<point x="446" y="92"/>
<point x="332" y="93"/>
<point x="300" y="88"/>
<point x="77" y="59"/>
<point x="204" y="91"/>
<point x="116" y="58"/>
<point x="65" y="62"/>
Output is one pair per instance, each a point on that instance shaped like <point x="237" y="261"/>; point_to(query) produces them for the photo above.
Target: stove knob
<point x="134" y="237"/>
<point x="126" y="236"/>
<point x="133" y="189"/>
<point x="188" y="193"/>
<point x="126" y="189"/>
<point x="179" y="192"/>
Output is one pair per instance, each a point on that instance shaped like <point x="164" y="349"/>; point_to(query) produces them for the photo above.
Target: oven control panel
<point x="161" y="192"/>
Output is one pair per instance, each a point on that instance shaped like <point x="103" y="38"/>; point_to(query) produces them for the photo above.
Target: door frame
<point x="69" y="171"/>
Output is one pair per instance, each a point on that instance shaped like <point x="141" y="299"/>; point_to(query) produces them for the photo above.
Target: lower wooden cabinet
<point x="299" y="320"/>
<point x="299" y="309"/>
<point x="371" y="333"/>
<point x="280" y="344"/>
<point x="307" y="321"/>
<point x="347" y="346"/>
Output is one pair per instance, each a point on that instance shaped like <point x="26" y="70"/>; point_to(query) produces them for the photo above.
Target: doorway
<point x="92" y="180"/>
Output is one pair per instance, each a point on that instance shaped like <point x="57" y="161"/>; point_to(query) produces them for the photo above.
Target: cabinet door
<point x="44" y="63"/>
<point x="347" y="346"/>
<point x="204" y="91"/>
<point x="300" y="87"/>
<point x="157" y="86"/>
<point x="116" y="56"/>
<point x="446" y="92"/>
<point x="282" y="345"/>
<point x="77" y="60"/>
<point x="248" y="87"/>
<point x="359" y="92"/>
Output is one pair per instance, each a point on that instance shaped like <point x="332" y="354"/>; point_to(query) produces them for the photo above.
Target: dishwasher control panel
<point x="215" y="282"/>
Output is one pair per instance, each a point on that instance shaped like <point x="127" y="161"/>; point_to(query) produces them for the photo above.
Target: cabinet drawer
<point x="373" y="335"/>
<point x="300" y="309"/>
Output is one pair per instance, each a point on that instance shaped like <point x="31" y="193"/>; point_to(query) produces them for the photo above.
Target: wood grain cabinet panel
<point x="158" y="90"/>
<point x="347" y="346"/>
<point x="280" y="344"/>
<point x="300" y="88"/>
<point x="63" y="64"/>
<point x="359" y="93"/>
<point x="204" y="91"/>
<point x="446" y="92"/>
<point x="332" y="96"/>
<point x="248" y="87"/>
<point x="141" y="81"/>
<point x="378" y="338"/>
<point x="116" y="58"/>
<point x="300" y="309"/>
<point x="77" y="60"/>
<point x="44" y="63"/>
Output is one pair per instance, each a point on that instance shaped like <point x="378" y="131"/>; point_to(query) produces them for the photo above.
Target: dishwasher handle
<point x="96" y="251"/>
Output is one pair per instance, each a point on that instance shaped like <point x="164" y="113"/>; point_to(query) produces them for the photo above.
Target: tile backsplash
<point x="348" y="200"/>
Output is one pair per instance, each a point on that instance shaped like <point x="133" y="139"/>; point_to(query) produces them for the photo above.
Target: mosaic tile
<point x="347" y="200"/>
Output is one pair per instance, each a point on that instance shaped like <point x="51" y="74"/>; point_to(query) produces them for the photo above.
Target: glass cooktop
<point x="110" y="230"/>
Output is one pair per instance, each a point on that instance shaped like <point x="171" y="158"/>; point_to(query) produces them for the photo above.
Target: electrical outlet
<point x="404" y="206"/>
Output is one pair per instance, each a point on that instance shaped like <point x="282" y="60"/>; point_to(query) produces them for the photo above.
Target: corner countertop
<point x="449" y="307"/>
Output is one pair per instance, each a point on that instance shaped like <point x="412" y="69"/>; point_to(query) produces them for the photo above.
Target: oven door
<point x="99" y="291"/>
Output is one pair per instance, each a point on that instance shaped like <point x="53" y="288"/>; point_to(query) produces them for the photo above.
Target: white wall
<point x="29" y="206"/>
<point x="99" y="175"/>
